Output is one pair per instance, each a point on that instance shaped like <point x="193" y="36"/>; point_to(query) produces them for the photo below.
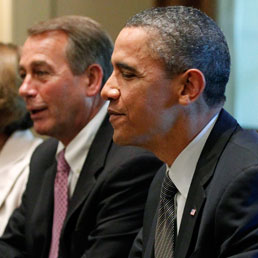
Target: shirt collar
<point x="78" y="148"/>
<point x="182" y="170"/>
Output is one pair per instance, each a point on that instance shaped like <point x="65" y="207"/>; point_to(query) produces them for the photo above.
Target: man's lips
<point x="36" y="111"/>
<point x="113" y="115"/>
<point x="113" y="112"/>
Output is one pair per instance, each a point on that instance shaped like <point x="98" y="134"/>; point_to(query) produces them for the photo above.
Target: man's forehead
<point x="133" y="47"/>
<point x="130" y="41"/>
<point x="37" y="49"/>
<point x="45" y="41"/>
<point x="131" y="34"/>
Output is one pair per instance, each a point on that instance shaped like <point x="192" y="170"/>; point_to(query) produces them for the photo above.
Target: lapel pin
<point x="193" y="211"/>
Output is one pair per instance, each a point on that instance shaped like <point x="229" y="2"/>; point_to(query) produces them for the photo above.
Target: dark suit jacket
<point x="224" y="192"/>
<point x="105" y="211"/>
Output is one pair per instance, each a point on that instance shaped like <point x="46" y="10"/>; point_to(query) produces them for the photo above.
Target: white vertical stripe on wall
<point x="6" y="21"/>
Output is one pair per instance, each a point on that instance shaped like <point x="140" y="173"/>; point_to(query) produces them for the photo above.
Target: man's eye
<point x="128" y="75"/>
<point x="41" y="73"/>
<point x="22" y="75"/>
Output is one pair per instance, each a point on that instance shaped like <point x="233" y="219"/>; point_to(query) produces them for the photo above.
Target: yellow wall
<point x="25" y="13"/>
<point x="17" y="15"/>
<point x="112" y="14"/>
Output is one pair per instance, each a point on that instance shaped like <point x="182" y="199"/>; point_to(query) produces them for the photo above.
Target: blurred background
<point x="237" y="18"/>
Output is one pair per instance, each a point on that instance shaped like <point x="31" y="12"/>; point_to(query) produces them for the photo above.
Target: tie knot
<point x="62" y="165"/>
<point x="168" y="188"/>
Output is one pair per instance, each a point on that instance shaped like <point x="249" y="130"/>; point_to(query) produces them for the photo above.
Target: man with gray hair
<point x="85" y="195"/>
<point x="171" y="66"/>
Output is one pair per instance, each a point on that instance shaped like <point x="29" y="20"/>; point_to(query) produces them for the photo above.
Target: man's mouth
<point x="35" y="112"/>
<point x="112" y="112"/>
<point x="114" y="115"/>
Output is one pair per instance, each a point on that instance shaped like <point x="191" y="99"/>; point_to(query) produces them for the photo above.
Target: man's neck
<point x="168" y="147"/>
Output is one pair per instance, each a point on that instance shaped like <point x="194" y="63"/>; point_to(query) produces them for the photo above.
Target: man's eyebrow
<point x="126" y="67"/>
<point x="34" y="64"/>
<point x="39" y="63"/>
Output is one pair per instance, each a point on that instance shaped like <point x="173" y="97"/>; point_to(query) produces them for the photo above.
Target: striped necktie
<point x="165" y="234"/>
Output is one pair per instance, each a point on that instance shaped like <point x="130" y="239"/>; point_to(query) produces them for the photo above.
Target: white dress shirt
<point x="77" y="150"/>
<point x="182" y="170"/>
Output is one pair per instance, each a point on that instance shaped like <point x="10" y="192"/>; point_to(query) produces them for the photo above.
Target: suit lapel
<point x="42" y="217"/>
<point x="149" y="251"/>
<point x="93" y="164"/>
<point x="151" y="207"/>
<point x="220" y="135"/>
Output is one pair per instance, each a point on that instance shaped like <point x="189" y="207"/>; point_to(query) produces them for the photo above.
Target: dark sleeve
<point x="145" y="235"/>
<point x="237" y="217"/>
<point x="121" y="207"/>
<point x="137" y="248"/>
<point x="12" y="243"/>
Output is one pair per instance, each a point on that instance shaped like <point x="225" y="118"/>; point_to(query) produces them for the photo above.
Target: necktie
<point x="60" y="202"/>
<point x="166" y="225"/>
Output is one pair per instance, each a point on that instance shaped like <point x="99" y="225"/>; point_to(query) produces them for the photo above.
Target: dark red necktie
<point x="60" y="202"/>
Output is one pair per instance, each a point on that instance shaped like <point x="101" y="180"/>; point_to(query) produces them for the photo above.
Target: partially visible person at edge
<point x="171" y="66"/>
<point x="16" y="140"/>
<point x="85" y="195"/>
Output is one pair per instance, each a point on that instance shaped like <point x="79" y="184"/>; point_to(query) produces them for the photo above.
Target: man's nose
<point x="110" y="91"/>
<point x="27" y="88"/>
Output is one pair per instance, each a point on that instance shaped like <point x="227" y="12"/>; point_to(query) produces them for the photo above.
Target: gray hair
<point x="187" y="38"/>
<point x="88" y="43"/>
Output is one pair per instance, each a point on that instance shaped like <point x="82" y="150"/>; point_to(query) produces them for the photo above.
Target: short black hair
<point x="188" y="38"/>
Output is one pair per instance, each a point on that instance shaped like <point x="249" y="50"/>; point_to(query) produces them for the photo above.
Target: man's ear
<point x="193" y="82"/>
<point x="94" y="74"/>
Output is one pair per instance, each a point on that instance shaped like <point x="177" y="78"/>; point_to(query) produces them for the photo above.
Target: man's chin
<point x="41" y="130"/>
<point x="120" y="139"/>
<point x="125" y="140"/>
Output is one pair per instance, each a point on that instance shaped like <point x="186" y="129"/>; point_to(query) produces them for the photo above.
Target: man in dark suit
<point x="85" y="195"/>
<point x="166" y="93"/>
